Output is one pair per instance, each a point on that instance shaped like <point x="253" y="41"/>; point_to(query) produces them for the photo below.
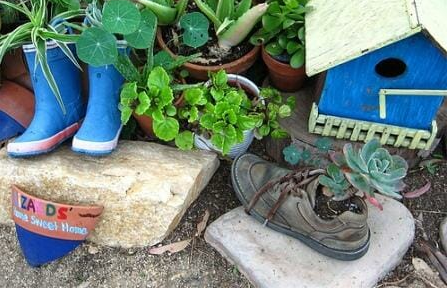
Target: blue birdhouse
<point x="383" y="67"/>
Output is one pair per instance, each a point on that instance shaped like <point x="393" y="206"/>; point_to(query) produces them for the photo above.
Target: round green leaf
<point x="144" y="36"/>
<point x="195" y="26"/>
<point x="297" y="59"/>
<point x="97" y="47"/>
<point x="121" y="16"/>
<point x="184" y="140"/>
<point x="166" y="129"/>
<point x="274" y="48"/>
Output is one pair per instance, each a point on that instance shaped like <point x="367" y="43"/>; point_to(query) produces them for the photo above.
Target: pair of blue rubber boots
<point x="95" y="129"/>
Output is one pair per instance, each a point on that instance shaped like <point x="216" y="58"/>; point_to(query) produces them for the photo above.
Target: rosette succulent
<point x="370" y="169"/>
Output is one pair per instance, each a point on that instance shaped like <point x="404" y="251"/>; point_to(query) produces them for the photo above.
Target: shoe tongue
<point x="311" y="190"/>
<point x="263" y="172"/>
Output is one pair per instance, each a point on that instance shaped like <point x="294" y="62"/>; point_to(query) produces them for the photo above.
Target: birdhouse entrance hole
<point x="391" y="67"/>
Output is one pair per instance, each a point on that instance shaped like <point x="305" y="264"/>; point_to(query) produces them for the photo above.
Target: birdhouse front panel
<point x="398" y="84"/>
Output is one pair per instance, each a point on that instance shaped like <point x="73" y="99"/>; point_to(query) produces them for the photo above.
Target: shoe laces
<point x="292" y="183"/>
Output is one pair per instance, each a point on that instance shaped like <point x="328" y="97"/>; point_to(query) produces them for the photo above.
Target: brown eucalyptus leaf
<point x="418" y="192"/>
<point x="202" y="225"/>
<point x="172" y="248"/>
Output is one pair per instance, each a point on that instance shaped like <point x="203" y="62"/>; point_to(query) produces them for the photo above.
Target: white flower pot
<point x="201" y="142"/>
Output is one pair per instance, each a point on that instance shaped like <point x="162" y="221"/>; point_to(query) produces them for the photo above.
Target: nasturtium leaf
<point x="144" y="36"/>
<point x="163" y="59"/>
<point x="184" y="140"/>
<point x="195" y="29"/>
<point x="166" y="129"/>
<point x="97" y="47"/>
<point x="121" y="16"/>
<point x="297" y="59"/>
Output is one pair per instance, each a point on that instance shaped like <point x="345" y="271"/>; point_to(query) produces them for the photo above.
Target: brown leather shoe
<point x="284" y="200"/>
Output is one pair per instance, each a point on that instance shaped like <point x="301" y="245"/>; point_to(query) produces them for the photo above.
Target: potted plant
<point x="227" y="112"/>
<point x="49" y="52"/>
<point x="222" y="45"/>
<point x="323" y="208"/>
<point x="282" y="40"/>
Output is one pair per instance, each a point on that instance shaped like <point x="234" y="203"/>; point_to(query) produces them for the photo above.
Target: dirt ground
<point x="199" y="265"/>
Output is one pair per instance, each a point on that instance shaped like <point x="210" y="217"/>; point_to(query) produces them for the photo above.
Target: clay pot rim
<point x="275" y="62"/>
<point x="194" y="66"/>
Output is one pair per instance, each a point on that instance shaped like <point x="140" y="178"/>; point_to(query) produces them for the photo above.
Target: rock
<point x="443" y="234"/>
<point x="425" y="273"/>
<point x="270" y="259"/>
<point x="145" y="188"/>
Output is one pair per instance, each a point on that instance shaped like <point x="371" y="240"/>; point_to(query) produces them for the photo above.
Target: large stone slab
<point x="145" y="188"/>
<point x="271" y="259"/>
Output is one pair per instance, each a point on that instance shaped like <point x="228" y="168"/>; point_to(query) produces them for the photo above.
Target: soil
<point x="211" y="53"/>
<point x="328" y="209"/>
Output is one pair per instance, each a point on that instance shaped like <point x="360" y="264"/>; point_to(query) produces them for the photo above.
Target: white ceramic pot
<point x="203" y="143"/>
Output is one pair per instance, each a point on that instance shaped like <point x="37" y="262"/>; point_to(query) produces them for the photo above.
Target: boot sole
<point x="34" y="148"/>
<point x="93" y="148"/>
<point x="343" y="255"/>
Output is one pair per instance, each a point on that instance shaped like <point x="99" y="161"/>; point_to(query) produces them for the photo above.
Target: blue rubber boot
<point x="102" y="126"/>
<point x="50" y="126"/>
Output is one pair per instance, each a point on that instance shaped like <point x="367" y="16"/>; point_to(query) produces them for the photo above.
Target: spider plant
<point x="41" y="26"/>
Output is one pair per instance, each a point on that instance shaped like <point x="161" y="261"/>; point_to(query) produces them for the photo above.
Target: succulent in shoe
<point x="370" y="169"/>
<point x="285" y="201"/>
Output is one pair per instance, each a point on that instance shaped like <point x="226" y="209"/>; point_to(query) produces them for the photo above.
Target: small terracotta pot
<point x="200" y="72"/>
<point x="145" y="122"/>
<point x="17" y="102"/>
<point x="14" y="68"/>
<point x="283" y="76"/>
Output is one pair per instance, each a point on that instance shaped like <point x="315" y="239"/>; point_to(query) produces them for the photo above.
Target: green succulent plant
<point x="370" y="169"/>
<point x="167" y="11"/>
<point x="282" y="30"/>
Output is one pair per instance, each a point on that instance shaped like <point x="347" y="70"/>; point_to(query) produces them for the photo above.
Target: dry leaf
<point x="419" y="192"/>
<point x="202" y="225"/>
<point x="172" y="248"/>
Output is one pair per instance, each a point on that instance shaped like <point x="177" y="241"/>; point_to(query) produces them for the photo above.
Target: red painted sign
<point x="53" y="219"/>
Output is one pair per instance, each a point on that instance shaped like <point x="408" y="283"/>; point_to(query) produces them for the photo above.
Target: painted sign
<point x="51" y="219"/>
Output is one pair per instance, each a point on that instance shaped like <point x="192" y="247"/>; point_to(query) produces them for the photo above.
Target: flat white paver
<point x="270" y="259"/>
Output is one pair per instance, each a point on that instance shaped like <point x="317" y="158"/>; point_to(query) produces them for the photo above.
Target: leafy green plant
<point x="368" y="170"/>
<point x="118" y="19"/>
<point x="152" y="92"/>
<point x="40" y="27"/>
<point x="222" y="112"/>
<point x="167" y="11"/>
<point x="232" y="22"/>
<point x="282" y="30"/>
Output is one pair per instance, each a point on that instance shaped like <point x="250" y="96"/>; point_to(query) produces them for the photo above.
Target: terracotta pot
<point x="283" y="76"/>
<point x="14" y="68"/>
<point x="200" y="72"/>
<point x="17" y="102"/>
<point x="145" y="122"/>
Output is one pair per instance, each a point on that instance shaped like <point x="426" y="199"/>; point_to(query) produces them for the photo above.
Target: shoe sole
<point x="34" y="148"/>
<point x="93" y="148"/>
<point x="343" y="255"/>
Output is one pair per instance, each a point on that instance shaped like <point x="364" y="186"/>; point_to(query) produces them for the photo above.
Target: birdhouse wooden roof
<point x="341" y="30"/>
